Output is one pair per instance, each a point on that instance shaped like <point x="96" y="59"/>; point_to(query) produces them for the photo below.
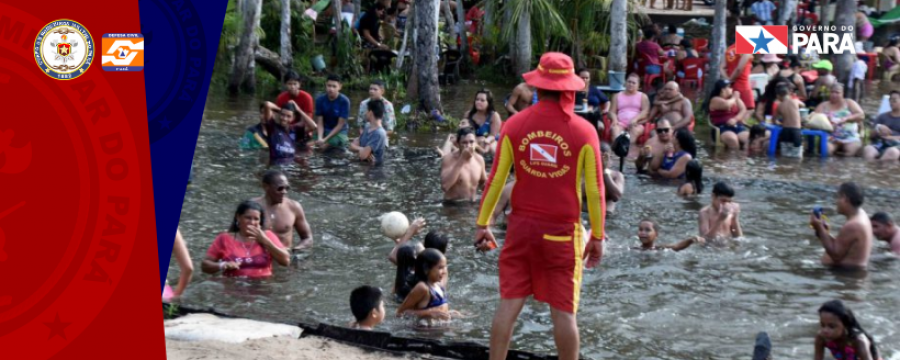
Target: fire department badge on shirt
<point x="64" y="49"/>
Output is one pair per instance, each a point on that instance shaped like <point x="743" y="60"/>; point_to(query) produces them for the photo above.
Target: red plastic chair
<point x="692" y="69"/>
<point x="649" y="127"/>
<point x="606" y="136"/>
<point x="813" y="18"/>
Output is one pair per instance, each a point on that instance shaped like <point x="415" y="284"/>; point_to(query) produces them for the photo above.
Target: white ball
<point x="394" y="224"/>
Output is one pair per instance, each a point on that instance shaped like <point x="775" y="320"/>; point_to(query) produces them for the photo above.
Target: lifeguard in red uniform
<point x="554" y="151"/>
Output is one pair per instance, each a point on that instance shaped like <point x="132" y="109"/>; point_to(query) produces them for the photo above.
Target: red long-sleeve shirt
<point x="553" y="151"/>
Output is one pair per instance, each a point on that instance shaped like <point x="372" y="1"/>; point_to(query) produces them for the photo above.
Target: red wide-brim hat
<point x="555" y="72"/>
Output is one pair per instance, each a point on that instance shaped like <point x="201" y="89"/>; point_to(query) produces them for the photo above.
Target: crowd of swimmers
<point x="262" y="230"/>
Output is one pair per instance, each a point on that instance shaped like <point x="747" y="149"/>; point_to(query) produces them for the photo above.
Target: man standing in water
<point x="285" y="215"/>
<point x="553" y="151"/>
<point x="521" y="98"/>
<point x="884" y="229"/>
<point x="722" y="217"/>
<point x="852" y="246"/>
<point x="462" y="170"/>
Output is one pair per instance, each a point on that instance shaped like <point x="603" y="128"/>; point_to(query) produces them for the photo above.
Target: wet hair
<point x="490" y="104"/>
<point x="716" y="91"/>
<point x="333" y="77"/>
<point x="604" y="147"/>
<point x="770" y="95"/>
<point x="242" y="209"/>
<point x="377" y="82"/>
<point x="693" y="173"/>
<point x="782" y="89"/>
<point x="757" y="131"/>
<point x="463" y="132"/>
<point x="406" y="263"/>
<point x="426" y="261"/>
<point x="649" y="32"/>
<point x="270" y="175"/>
<point x="377" y="108"/>
<point x="437" y="241"/>
<point x="686" y="44"/>
<point x="853" y="192"/>
<point x="292" y="76"/>
<point x="686" y="141"/>
<point x="854" y="329"/>
<point x="894" y="40"/>
<point x="673" y="29"/>
<point x="363" y="300"/>
<point x="652" y="223"/>
<point x="883" y="218"/>
<point x="722" y="188"/>
<point x="291" y="108"/>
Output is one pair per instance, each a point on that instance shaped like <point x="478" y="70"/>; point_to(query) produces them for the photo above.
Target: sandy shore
<point x="308" y="348"/>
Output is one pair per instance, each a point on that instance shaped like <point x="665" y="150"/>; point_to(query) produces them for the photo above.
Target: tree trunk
<point x="845" y="17"/>
<point x="522" y="59"/>
<point x="287" y="56"/>
<point x="338" y="24"/>
<point x="825" y="18"/>
<point x="717" y="48"/>
<point x="507" y="20"/>
<point x="426" y="61"/>
<point x="464" y="39"/>
<point x="357" y="8"/>
<point x="618" y="49"/>
<point x="269" y="61"/>
<point x="448" y="21"/>
<point x="407" y="32"/>
<point x="246" y="47"/>
<point x="488" y="18"/>
<point x="412" y="85"/>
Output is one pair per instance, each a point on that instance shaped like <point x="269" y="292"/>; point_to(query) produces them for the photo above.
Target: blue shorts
<point x="653" y="69"/>
<point x="737" y="128"/>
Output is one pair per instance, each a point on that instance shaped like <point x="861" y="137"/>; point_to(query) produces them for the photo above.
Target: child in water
<point x="427" y="299"/>
<point x="693" y="179"/>
<point x="367" y="307"/>
<point x="404" y="280"/>
<point x="841" y="334"/>
<point x="647" y="233"/>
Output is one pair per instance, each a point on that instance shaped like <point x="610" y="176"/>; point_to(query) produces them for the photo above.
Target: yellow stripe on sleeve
<point x="496" y="182"/>
<point x="589" y="161"/>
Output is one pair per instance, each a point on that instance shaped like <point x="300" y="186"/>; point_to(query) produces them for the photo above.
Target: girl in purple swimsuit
<point x="841" y="334"/>
<point x="427" y="300"/>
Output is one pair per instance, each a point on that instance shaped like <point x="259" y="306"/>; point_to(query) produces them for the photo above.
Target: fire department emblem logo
<point x="64" y="49"/>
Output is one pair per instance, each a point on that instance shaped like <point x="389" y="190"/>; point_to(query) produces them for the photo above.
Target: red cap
<point x="555" y="72"/>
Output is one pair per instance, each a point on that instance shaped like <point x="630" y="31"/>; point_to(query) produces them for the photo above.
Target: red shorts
<point x="543" y="259"/>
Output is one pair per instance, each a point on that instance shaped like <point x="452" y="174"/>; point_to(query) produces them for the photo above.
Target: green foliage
<point x="348" y="54"/>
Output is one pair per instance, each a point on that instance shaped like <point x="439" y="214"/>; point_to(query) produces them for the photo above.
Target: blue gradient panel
<point x="181" y="40"/>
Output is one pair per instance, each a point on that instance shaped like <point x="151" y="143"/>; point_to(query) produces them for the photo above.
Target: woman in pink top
<point x="246" y="250"/>
<point x="629" y="109"/>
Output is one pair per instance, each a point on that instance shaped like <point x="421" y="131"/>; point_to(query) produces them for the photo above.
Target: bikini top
<point x="437" y="297"/>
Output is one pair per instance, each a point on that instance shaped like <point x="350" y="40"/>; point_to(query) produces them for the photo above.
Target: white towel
<point x="858" y="72"/>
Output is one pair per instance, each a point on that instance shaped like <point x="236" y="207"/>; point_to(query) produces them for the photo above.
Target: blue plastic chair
<point x="775" y="131"/>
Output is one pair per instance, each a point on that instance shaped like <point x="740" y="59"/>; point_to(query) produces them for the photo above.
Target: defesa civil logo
<point x="63" y="49"/>
<point x="773" y="39"/>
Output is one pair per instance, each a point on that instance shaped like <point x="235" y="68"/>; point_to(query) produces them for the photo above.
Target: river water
<point x="704" y="302"/>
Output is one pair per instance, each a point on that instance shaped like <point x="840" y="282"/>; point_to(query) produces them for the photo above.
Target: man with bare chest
<point x="521" y="98"/>
<point x="721" y="218"/>
<point x="284" y="215"/>
<point x="655" y="148"/>
<point x="462" y="170"/>
<point x="853" y="244"/>
<point x="672" y="106"/>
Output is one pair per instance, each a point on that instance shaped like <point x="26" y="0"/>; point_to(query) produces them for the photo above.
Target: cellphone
<point x="817" y="211"/>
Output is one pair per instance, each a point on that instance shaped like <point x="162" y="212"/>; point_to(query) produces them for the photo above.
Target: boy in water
<point x="376" y="92"/>
<point x="372" y="141"/>
<point x="647" y="233"/>
<point x="302" y="100"/>
<point x="332" y="112"/>
<point x="256" y="135"/>
<point x="721" y="218"/>
<point x="367" y="307"/>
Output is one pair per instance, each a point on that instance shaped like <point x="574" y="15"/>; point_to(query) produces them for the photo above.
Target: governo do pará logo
<point x="773" y="39"/>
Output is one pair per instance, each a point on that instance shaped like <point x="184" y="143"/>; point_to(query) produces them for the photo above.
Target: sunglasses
<point x="283" y="188"/>
<point x="662" y="130"/>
